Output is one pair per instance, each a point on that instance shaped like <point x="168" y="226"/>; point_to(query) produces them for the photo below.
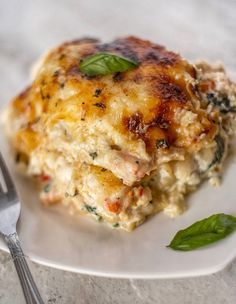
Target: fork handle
<point x="28" y="285"/>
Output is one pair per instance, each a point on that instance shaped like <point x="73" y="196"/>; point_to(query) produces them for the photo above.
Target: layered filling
<point x="131" y="153"/>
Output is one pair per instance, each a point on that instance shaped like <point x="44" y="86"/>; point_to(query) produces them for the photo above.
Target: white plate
<point x="81" y="245"/>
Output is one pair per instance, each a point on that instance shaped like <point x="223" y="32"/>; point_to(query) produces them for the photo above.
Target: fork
<point x="9" y="214"/>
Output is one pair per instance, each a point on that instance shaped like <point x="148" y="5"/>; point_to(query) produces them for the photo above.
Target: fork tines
<point x="6" y="177"/>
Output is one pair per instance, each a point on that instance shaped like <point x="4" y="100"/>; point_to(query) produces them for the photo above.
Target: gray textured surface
<point x="197" y="29"/>
<point x="64" y="287"/>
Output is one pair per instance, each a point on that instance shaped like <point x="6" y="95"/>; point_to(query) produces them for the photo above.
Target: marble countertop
<point x="195" y="28"/>
<point x="62" y="287"/>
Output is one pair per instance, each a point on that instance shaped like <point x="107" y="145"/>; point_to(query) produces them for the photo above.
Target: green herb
<point x="116" y="225"/>
<point x="97" y="92"/>
<point x="106" y="63"/>
<point x="220" y="148"/>
<point x="93" y="155"/>
<point x="91" y="209"/>
<point x="46" y="188"/>
<point x="162" y="143"/>
<point x="222" y="102"/>
<point x="204" y="232"/>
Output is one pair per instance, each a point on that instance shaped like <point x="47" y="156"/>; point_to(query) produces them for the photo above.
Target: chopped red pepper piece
<point x="114" y="206"/>
<point x="45" y="178"/>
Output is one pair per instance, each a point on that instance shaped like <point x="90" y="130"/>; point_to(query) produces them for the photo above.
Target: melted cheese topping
<point x="127" y="145"/>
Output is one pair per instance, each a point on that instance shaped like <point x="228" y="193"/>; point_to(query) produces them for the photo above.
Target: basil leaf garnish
<point x="106" y="63"/>
<point x="204" y="232"/>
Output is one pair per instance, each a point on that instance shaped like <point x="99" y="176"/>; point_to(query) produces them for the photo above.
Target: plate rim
<point x="129" y="275"/>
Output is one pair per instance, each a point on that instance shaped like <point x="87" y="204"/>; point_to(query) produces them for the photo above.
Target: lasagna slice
<point x="122" y="146"/>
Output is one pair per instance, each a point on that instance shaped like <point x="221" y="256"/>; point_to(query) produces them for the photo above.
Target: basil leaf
<point x="106" y="63"/>
<point x="204" y="232"/>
